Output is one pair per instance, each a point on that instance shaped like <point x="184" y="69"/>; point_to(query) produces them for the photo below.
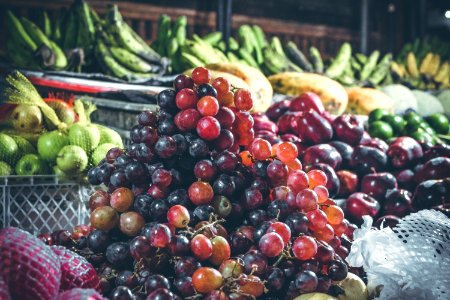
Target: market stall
<point x="223" y="156"/>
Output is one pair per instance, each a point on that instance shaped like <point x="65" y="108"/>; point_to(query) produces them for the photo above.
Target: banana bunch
<point x="29" y="46"/>
<point x="429" y="73"/>
<point x="421" y="47"/>
<point x="122" y="53"/>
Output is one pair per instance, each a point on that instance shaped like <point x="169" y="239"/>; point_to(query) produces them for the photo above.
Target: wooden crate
<point x="143" y="18"/>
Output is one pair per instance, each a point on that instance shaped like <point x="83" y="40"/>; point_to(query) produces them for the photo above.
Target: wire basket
<point x="43" y="203"/>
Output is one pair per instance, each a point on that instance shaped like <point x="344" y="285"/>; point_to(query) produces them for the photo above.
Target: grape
<point x="160" y="236"/>
<point x="182" y="82"/>
<point x="287" y="152"/>
<point x="325" y="234"/>
<point x="182" y="144"/>
<point x="118" y="254"/>
<point x="104" y="172"/>
<point x="187" y="119"/>
<point x="198" y="148"/>
<point x="205" y="170"/>
<point x="243" y="99"/>
<point x="220" y="250"/>
<point x="311" y="265"/>
<point x="278" y="209"/>
<point x="306" y="281"/>
<point x="156" y="192"/>
<point x="179" y="245"/>
<point x="224" y="185"/>
<point x="202" y="213"/>
<point x="222" y="206"/>
<point x="92" y="176"/>
<point x="297" y="222"/>
<point x="282" y="229"/>
<point x="104" y="218"/>
<point x="317" y="219"/>
<point x="226" y="117"/>
<point x="178" y="196"/>
<point x="201" y="75"/>
<point x="239" y="243"/>
<point x="324" y="253"/>
<point x="200" y="193"/>
<point x="297" y="181"/>
<point x="206" y="90"/>
<point x="271" y="244"/>
<point x="201" y="246"/>
<point x="255" y="261"/>
<point x="275" y="279"/>
<point x="144" y="153"/>
<point x="246" y="158"/>
<point x="162" y="178"/>
<point x="122" y="293"/>
<point x="208" y="128"/>
<point x="257" y="217"/>
<point x="224" y="141"/>
<point x="135" y="135"/>
<point x="306" y="200"/>
<point x="166" y="99"/>
<point x="166" y="127"/>
<point x="98" y="199"/>
<point x="261" y="149"/>
<point x="277" y="172"/>
<point x="126" y="278"/>
<point x="136" y="172"/>
<point x="186" y="266"/>
<point x="253" y="198"/>
<point x="122" y="161"/>
<point x="337" y="270"/>
<point x="158" y="209"/>
<point x="149" y="135"/>
<point x="334" y="213"/>
<point x="208" y="106"/>
<point x="250" y="285"/>
<point x="156" y="281"/>
<point x="186" y="98"/>
<point x="131" y="223"/>
<point x="322" y="193"/>
<point x="206" y="280"/>
<point x="316" y="177"/>
<point x="259" y="169"/>
<point x="231" y="268"/>
<point x="140" y="247"/>
<point x="165" y="147"/>
<point x="113" y="153"/>
<point x="184" y="286"/>
<point x="222" y="86"/>
<point x="178" y="216"/>
<point x="119" y="179"/>
<point x="98" y="240"/>
<point x="304" y="247"/>
<point x="226" y="161"/>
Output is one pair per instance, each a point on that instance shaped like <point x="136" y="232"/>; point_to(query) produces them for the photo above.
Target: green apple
<point x="72" y="159"/>
<point x="100" y="152"/>
<point x="24" y="145"/>
<point x="9" y="151"/>
<point x="5" y="169"/>
<point x="31" y="164"/>
<point x="107" y="135"/>
<point x="85" y="136"/>
<point x="49" y="144"/>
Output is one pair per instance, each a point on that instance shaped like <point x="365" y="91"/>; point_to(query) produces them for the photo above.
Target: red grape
<point x="208" y="106"/>
<point x="189" y="118"/>
<point x="317" y="177"/>
<point x="317" y="219"/>
<point x="304" y="247"/>
<point x="160" y="236"/>
<point x="271" y="244"/>
<point x="243" y="99"/>
<point x="282" y="229"/>
<point x="287" y="152"/>
<point x="205" y="170"/>
<point x="104" y="218"/>
<point x="178" y="216"/>
<point x="261" y="149"/>
<point x="306" y="200"/>
<point x="206" y="280"/>
<point x="220" y="250"/>
<point x="334" y="214"/>
<point x="162" y="178"/>
<point x="297" y="181"/>
<point x="186" y="98"/>
<point x="200" y="193"/>
<point x="226" y="117"/>
<point x="208" y="128"/>
<point x="121" y="199"/>
<point x="201" y="246"/>
<point x="201" y="75"/>
<point x="322" y="193"/>
<point x="222" y="86"/>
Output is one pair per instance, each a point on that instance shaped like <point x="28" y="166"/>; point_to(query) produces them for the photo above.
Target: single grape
<point x="304" y="247"/>
<point x="201" y="247"/>
<point x="282" y="229"/>
<point x="261" y="149"/>
<point x="306" y="281"/>
<point x="243" y="99"/>
<point x="178" y="216"/>
<point x="208" y="106"/>
<point x="271" y="244"/>
<point x="306" y="200"/>
<point x="201" y="75"/>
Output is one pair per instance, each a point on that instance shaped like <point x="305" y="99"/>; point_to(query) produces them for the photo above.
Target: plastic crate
<point x="43" y="203"/>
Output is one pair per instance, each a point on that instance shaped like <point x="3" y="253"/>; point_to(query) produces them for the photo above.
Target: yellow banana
<point x="443" y="72"/>
<point x="434" y="65"/>
<point x="426" y="63"/>
<point x="397" y="69"/>
<point x="412" y="65"/>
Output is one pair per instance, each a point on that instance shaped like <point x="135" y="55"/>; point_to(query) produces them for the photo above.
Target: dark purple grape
<point x="226" y="161"/>
<point x="165" y="147"/>
<point x="98" y="241"/>
<point x="253" y="198"/>
<point x="186" y="266"/>
<point x="324" y="283"/>
<point x="156" y="281"/>
<point x="179" y="245"/>
<point x="202" y="213"/>
<point x="93" y="177"/>
<point x="142" y="205"/>
<point x="162" y="294"/>
<point x="256" y="262"/>
<point x="126" y="278"/>
<point x="158" y="210"/>
<point x="257" y="217"/>
<point x="306" y="281"/>
<point x="167" y="127"/>
<point x="147" y="118"/>
<point x="136" y="172"/>
<point x="198" y="148"/>
<point x="297" y="222"/>
<point x="184" y="286"/>
<point x="166" y="99"/>
<point x="119" y="179"/>
<point x="259" y="169"/>
<point x="289" y="268"/>
<point x="261" y="230"/>
<point x="182" y="144"/>
<point x="239" y="243"/>
<point x="178" y="197"/>
<point x="275" y="279"/>
<point x="337" y="270"/>
<point x="366" y="160"/>
<point x="224" y="186"/>
<point x="149" y="135"/>
<point x="261" y="185"/>
<point x="135" y="134"/>
<point x="144" y="153"/>
<point x="278" y="209"/>
<point x="206" y="90"/>
<point x="118" y="254"/>
<point x="122" y="161"/>
<point x="183" y="82"/>
<point x="122" y="293"/>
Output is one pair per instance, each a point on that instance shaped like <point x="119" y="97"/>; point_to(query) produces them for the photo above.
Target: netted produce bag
<point x="409" y="261"/>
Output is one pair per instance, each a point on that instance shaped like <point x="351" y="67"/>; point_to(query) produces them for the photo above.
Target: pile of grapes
<point x="197" y="208"/>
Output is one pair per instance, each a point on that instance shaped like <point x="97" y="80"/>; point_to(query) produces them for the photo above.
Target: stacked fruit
<point x="188" y="215"/>
<point x="49" y="136"/>
<point x="81" y="41"/>
<point x="384" y="125"/>
<point x="356" y="164"/>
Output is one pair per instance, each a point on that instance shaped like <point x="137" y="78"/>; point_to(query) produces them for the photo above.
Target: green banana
<point x="86" y="29"/>
<point x="130" y="60"/>
<point x="46" y="24"/>
<point x="297" y="56"/>
<point x="245" y="55"/>
<point x="213" y="38"/>
<point x="370" y="65"/>
<point x="245" y="39"/>
<point x="172" y="47"/>
<point x="316" y="59"/>
<point x="109" y="64"/>
<point x="362" y="59"/>
<point x="260" y="36"/>
<point x="381" y="70"/>
<point x="275" y="44"/>
<point x="339" y="64"/>
<point x="35" y="32"/>
<point x="232" y="44"/>
<point x="355" y="64"/>
<point x="127" y="38"/>
<point x="56" y="32"/>
<point x="70" y="32"/>
<point x="60" y="57"/>
<point x="18" y="32"/>
<point x="232" y="57"/>
<point x="179" y="31"/>
<point x="191" y="60"/>
<point x="164" y="33"/>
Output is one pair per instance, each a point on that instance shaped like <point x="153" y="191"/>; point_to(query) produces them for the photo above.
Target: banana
<point x="260" y="87"/>
<point x="191" y="60"/>
<point x="337" y="67"/>
<point x="86" y="30"/>
<point x="260" y="36"/>
<point x="70" y="32"/>
<point x="370" y="65"/>
<point x="45" y="24"/>
<point x="35" y="32"/>
<point x="316" y="59"/>
<point x="443" y="72"/>
<point x="434" y="65"/>
<point x="179" y="31"/>
<point x="213" y="38"/>
<point x="164" y="33"/>
<point x="56" y="32"/>
<point x="18" y="32"/>
<point x="381" y="70"/>
<point x="110" y="65"/>
<point x="130" y="60"/>
<point x="397" y="69"/>
<point x="127" y="38"/>
<point x="60" y="57"/>
<point x="297" y="57"/>
<point x="411" y="65"/>
<point x="426" y="63"/>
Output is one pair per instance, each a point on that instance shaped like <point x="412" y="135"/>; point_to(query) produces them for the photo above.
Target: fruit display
<point x="81" y="41"/>
<point x="379" y="178"/>
<point x="197" y="207"/>
<point x="430" y="129"/>
<point x="49" y="136"/>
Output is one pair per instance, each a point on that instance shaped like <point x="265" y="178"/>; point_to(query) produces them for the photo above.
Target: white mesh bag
<point x="410" y="261"/>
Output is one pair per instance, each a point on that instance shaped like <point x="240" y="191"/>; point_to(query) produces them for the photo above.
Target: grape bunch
<point x="198" y="208"/>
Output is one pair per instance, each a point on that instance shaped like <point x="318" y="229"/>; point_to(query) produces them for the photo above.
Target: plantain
<point x="316" y="59"/>
<point x="179" y="31"/>
<point x="425" y="64"/>
<point x="260" y="36"/>
<point x="86" y="30"/>
<point x="381" y="70"/>
<point x="109" y="64"/>
<point x="339" y="64"/>
<point x="297" y="56"/>
<point x="213" y="38"/>
<point x="397" y="70"/>
<point x="35" y="33"/>
<point x="164" y="33"/>
<point x="443" y="72"/>
<point x="411" y="65"/>
<point x="130" y="60"/>
<point x="434" y="65"/>
<point x="70" y="31"/>
<point x="191" y="61"/>
<point x="18" y="32"/>
<point x="60" y="57"/>
<point x="45" y="24"/>
<point x="369" y="66"/>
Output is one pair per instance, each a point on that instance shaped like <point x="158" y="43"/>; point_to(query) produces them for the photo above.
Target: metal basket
<point x="42" y="203"/>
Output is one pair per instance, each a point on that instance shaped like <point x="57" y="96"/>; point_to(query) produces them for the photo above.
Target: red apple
<point x="377" y="184"/>
<point x="348" y="129"/>
<point x="348" y="182"/>
<point x="307" y="101"/>
<point x="360" y="204"/>
<point x="398" y="203"/>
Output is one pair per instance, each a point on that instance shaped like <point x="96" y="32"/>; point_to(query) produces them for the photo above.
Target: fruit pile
<point x="49" y="136"/>
<point x="374" y="177"/>
<point x="81" y="41"/>
<point x="384" y="125"/>
<point x="197" y="207"/>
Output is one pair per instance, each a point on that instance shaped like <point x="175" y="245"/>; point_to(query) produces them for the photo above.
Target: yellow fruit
<point x="315" y="296"/>
<point x="27" y="118"/>
<point x="332" y="93"/>
<point x="362" y="101"/>
<point x="354" y="287"/>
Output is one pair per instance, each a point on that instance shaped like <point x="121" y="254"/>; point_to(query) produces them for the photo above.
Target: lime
<point x="377" y="114"/>
<point x="381" y="130"/>
<point x="439" y="122"/>
<point x="397" y="123"/>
